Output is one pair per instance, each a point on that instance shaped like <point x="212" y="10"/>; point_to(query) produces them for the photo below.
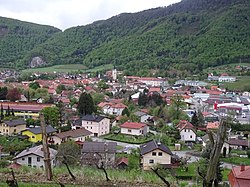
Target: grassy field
<point x="224" y="68"/>
<point x="65" y="68"/>
<point x="237" y="160"/>
<point x="241" y="84"/>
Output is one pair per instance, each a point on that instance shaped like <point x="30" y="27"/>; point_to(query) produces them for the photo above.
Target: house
<point x="144" y="117"/>
<point x="238" y="144"/>
<point x="96" y="153"/>
<point x="122" y="163"/>
<point x="34" y="157"/>
<point x="134" y="128"/>
<point x="213" y="125"/>
<point x="12" y="127"/>
<point x="75" y="134"/>
<point x="239" y="176"/>
<point x="153" y="153"/>
<point x="98" y="125"/>
<point x="35" y="133"/>
<point x="112" y="108"/>
<point x="226" y="78"/>
<point x="187" y="131"/>
<point x="25" y="109"/>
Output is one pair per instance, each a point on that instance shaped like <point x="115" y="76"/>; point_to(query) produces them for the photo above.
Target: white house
<point x="75" y="135"/>
<point x="226" y="79"/>
<point x="153" y="153"/>
<point x="187" y="131"/>
<point x="34" y="157"/>
<point x="144" y="117"/>
<point x="112" y="108"/>
<point x="133" y="128"/>
<point x="98" y="125"/>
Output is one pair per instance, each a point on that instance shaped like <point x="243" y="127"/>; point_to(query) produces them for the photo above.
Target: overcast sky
<point x="68" y="13"/>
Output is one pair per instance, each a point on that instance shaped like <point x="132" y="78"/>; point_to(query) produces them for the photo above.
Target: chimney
<point x="242" y="167"/>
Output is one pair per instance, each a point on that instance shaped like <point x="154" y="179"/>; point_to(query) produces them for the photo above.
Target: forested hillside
<point x="19" y="37"/>
<point x="188" y="37"/>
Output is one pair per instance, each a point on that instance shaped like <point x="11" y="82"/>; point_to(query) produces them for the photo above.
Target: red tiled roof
<point x="122" y="160"/>
<point x="20" y="106"/>
<point x="154" y="89"/>
<point x="238" y="177"/>
<point x="183" y="124"/>
<point x="132" y="125"/>
<point x="213" y="125"/>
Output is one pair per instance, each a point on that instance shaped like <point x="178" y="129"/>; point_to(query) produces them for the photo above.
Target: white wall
<point x="187" y="135"/>
<point x="136" y="132"/>
<point x="34" y="161"/>
<point x="101" y="128"/>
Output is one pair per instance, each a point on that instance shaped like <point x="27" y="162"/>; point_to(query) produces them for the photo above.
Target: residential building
<point x="239" y="144"/>
<point x="112" y="108"/>
<point x="97" y="153"/>
<point x="226" y="79"/>
<point x="153" y="153"/>
<point x="134" y="128"/>
<point x="98" y="125"/>
<point x="239" y="176"/>
<point x="35" y="133"/>
<point x="12" y="127"/>
<point x="187" y="131"/>
<point x="122" y="163"/>
<point x="75" y="135"/>
<point x="144" y="117"/>
<point x="25" y="109"/>
<point x="34" y="157"/>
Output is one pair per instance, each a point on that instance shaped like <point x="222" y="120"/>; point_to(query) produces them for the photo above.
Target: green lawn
<point x="237" y="160"/>
<point x="128" y="138"/>
<point x="68" y="68"/>
<point x="241" y="84"/>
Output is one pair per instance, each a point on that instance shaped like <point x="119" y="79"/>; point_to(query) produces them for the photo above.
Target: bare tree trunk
<point x="46" y="152"/>
<point x="66" y="164"/>
<point x="104" y="170"/>
<point x="215" y="154"/>
<point x="13" y="182"/>
<point x="162" y="178"/>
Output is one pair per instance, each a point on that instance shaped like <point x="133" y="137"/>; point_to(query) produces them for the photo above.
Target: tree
<point x="2" y="115"/>
<point x="3" y="93"/>
<point x="155" y="99"/>
<point x="51" y="116"/>
<point x="194" y="120"/>
<point x="13" y="94"/>
<point x="97" y="97"/>
<point x="60" y="88"/>
<point x="85" y="104"/>
<point x="125" y="112"/>
<point x="176" y="107"/>
<point x="143" y="99"/>
<point x="71" y="151"/>
<point x="34" y="85"/>
<point x="200" y="119"/>
<point x="102" y="85"/>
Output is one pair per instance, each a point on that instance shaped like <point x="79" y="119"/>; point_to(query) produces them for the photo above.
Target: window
<point x="38" y="159"/>
<point x="185" y="130"/>
<point x="129" y="130"/>
<point x="160" y="154"/>
<point x="191" y="136"/>
<point x="23" y="158"/>
<point x="90" y="127"/>
<point x="14" y="130"/>
<point x="33" y="137"/>
<point x="151" y="161"/>
<point x="153" y="153"/>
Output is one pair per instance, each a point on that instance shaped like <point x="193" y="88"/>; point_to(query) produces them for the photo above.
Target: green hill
<point x="19" y="37"/>
<point x="186" y="37"/>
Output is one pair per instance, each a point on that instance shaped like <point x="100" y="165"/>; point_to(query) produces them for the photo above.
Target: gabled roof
<point x="74" y="133"/>
<point x="95" y="118"/>
<point x="153" y="145"/>
<point x="99" y="147"/>
<point x="37" y="150"/>
<point x="16" y="122"/>
<point x="132" y="125"/>
<point x="238" y="142"/>
<point x="239" y="177"/>
<point x="183" y="124"/>
<point x="38" y="130"/>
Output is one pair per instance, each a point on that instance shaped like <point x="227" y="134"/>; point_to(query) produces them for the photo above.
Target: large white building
<point x="133" y="128"/>
<point x="98" y="125"/>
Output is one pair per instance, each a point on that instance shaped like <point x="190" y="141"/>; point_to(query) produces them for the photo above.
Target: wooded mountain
<point x="188" y="36"/>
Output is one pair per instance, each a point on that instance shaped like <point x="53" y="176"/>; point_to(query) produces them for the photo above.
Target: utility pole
<point x="47" y="163"/>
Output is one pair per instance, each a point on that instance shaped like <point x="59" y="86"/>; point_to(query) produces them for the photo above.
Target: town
<point x="126" y="123"/>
